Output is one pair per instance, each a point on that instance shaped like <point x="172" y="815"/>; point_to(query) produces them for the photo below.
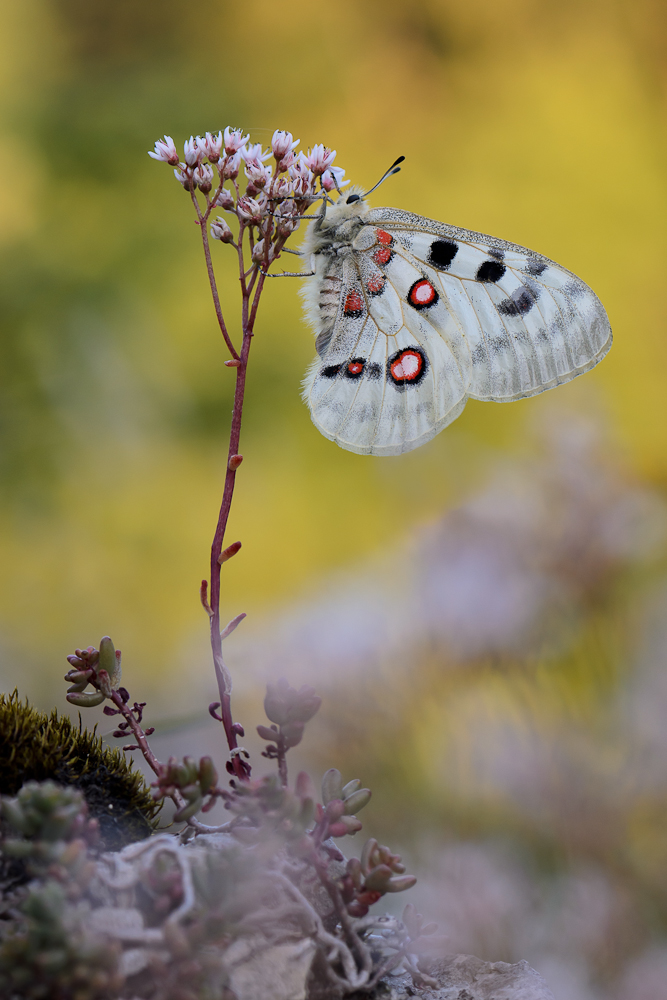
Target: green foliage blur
<point x="541" y="124"/>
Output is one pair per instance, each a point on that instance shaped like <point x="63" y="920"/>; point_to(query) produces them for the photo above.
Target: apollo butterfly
<point x="414" y="317"/>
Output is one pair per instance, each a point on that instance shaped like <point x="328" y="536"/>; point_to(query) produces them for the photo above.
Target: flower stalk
<point x="267" y="213"/>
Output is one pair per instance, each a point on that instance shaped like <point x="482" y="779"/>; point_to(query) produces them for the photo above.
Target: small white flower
<point x="255" y="153"/>
<point x="210" y="146"/>
<point x="285" y="163"/>
<point x="184" y="178"/>
<point x="257" y="173"/>
<point x="283" y="189"/>
<point x="234" y="140"/>
<point x="165" y="150"/>
<point x="231" y="166"/>
<point x="221" y="231"/>
<point x="225" y="200"/>
<point x="319" y="158"/>
<point x="192" y="152"/>
<point x="286" y="218"/>
<point x="203" y="178"/>
<point x="332" y="179"/>
<point x="252" y="210"/>
<point x="283" y="143"/>
<point x="258" y="252"/>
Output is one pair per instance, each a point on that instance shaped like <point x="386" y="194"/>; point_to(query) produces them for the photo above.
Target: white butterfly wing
<point x="386" y="383"/>
<point x="528" y="323"/>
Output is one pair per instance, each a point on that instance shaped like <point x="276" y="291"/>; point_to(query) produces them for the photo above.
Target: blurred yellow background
<point x="543" y="124"/>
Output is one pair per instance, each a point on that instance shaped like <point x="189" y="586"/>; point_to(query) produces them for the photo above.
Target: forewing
<point x="527" y="323"/>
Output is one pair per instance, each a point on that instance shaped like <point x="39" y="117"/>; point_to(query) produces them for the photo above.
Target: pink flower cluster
<point x="276" y="194"/>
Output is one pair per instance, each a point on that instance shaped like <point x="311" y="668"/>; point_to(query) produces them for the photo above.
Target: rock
<point x="258" y="970"/>
<point x="464" y="977"/>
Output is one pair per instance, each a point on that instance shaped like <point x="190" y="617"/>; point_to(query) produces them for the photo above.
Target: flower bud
<point x="285" y="163"/>
<point x="184" y="178"/>
<point x="251" y="210"/>
<point x="350" y="787"/>
<point x="306" y="704"/>
<point x="266" y="733"/>
<point x="258" y="252"/>
<point x="165" y="150"/>
<point x="292" y="733"/>
<point x="231" y="166"/>
<point x="203" y="178"/>
<point x="191" y="152"/>
<point x="225" y="200"/>
<point x="221" y="231"/>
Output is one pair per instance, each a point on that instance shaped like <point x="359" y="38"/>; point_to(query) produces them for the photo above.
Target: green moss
<point x="35" y="746"/>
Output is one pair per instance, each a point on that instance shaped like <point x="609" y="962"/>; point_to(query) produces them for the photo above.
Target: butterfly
<point x="414" y="317"/>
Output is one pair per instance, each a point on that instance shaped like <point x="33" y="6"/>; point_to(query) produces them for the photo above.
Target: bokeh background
<point x="485" y="616"/>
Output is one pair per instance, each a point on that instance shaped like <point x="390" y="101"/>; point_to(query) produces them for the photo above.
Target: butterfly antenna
<point x="393" y="169"/>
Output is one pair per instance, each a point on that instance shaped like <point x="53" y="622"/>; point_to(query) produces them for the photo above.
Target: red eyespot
<point x="382" y="255"/>
<point x="375" y="284"/>
<point x="407" y="366"/>
<point x="355" y="367"/>
<point x="422" y="294"/>
<point x="354" y="304"/>
<point x="384" y="237"/>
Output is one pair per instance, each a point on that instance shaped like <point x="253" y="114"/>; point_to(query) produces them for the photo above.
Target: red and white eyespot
<point x="407" y="367"/>
<point x="422" y="294"/>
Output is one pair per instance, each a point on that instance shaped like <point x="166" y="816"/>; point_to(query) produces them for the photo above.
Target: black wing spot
<point x="519" y="302"/>
<point x="373" y="370"/>
<point x="331" y="371"/>
<point x="496" y="253"/>
<point x="536" y="267"/>
<point x="441" y="253"/>
<point x="490" y="270"/>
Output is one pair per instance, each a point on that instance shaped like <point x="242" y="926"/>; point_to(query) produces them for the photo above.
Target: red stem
<point x="202" y="221"/>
